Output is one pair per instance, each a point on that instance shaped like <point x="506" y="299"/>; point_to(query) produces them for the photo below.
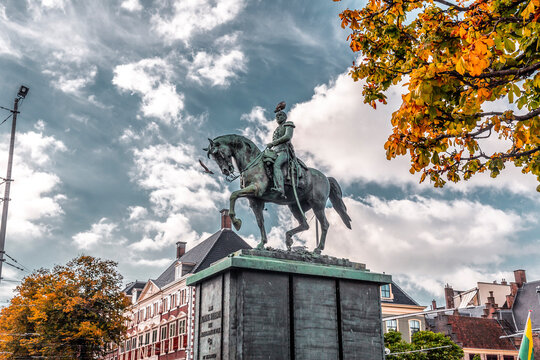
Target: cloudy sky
<point x="125" y="93"/>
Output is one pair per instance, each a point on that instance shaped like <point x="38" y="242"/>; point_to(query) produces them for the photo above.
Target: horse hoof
<point x="317" y="251"/>
<point x="237" y="224"/>
<point x="260" y="246"/>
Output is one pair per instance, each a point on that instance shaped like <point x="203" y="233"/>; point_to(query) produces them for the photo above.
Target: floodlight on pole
<point x="23" y="92"/>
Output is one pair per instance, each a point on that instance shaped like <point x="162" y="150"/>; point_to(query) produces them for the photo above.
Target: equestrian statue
<point x="276" y="175"/>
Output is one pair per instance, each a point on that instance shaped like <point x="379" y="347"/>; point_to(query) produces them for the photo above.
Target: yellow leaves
<point x="530" y="9"/>
<point x="460" y="66"/>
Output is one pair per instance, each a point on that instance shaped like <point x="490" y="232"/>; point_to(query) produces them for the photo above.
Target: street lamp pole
<point x="23" y="91"/>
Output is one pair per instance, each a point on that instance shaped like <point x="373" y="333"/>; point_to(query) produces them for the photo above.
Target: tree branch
<point x="521" y="71"/>
<point x="447" y="3"/>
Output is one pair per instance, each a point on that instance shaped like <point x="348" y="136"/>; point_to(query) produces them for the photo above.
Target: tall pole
<point x="8" y="185"/>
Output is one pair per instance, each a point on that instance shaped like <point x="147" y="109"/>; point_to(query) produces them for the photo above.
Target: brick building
<point x="162" y="312"/>
<point x="481" y="337"/>
<point x="489" y="319"/>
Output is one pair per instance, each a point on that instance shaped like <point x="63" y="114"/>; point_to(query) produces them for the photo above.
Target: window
<point x="163" y="332"/>
<point x="172" y="329"/>
<point x="492" y="357"/>
<point x="147" y="338"/>
<point x="391" y="325"/>
<point x="472" y="356"/>
<point x="385" y="291"/>
<point x="154" y="336"/>
<point x="128" y="345"/>
<point x="141" y="343"/>
<point x="508" y="357"/>
<point x="134" y="343"/>
<point x="414" y="327"/>
<point x="181" y="326"/>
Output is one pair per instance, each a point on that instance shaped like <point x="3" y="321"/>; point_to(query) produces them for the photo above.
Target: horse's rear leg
<point x="302" y="221"/>
<point x="321" y="216"/>
<point x="258" y="206"/>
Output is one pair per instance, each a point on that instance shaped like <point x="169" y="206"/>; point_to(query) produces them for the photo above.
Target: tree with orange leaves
<point x="459" y="64"/>
<point x="70" y="312"/>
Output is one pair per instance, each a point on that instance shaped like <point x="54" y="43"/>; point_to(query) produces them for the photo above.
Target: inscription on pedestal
<point x="210" y="320"/>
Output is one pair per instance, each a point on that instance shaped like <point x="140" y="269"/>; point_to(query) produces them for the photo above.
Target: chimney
<point x="225" y="219"/>
<point x="520" y="277"/>
<point x="433" y="305"/>
<point x="503" y="282"/>
<point x="135" y="295"/>
<point x="490" y="307"/>
<point x="180" y="249"/>
<point x="449" y="296"/>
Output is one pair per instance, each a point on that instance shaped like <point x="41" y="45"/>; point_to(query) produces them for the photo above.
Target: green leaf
<point x="509" y="45"/>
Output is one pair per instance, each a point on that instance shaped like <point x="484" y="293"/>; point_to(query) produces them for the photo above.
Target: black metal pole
<point x="8" y="185"/>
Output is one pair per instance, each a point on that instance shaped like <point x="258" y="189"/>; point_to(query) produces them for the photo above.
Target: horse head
<point x="222" y="154"/>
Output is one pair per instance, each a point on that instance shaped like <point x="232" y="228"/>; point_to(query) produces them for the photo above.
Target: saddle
<point x="294" y="167"/>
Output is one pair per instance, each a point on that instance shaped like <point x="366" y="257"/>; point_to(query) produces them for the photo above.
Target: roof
<point x="467" y="298"/>
<point x="216" y="247"/>
<point x="133" y="285"/>
<point x="400" y="297"/>
<point x="479" y="333"/>
<point x="527" y="299"/>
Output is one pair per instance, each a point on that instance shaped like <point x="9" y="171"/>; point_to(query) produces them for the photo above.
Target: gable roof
<point x="216" y="247"/>
<point x="128" y="290"/>
<point x="479" y="333"/>
<point x="527" y="299"/>
<point x="400" y="297"/>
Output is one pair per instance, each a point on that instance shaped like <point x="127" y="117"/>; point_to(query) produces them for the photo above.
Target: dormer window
<point x="385" y="291"/>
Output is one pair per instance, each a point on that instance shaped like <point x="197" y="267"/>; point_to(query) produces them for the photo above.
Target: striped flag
<point x="526" y="348"/>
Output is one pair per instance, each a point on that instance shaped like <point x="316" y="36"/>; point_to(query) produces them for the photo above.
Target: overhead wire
<point x="15" y="266"/>
<point x="26" y="268"/>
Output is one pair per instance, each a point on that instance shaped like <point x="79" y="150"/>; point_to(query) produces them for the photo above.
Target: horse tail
<point x="337" y="201"/>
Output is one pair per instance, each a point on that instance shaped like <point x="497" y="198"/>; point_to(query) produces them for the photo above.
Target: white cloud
<point x="217" y="69"/>
<point x="137" y="212"/>
<point x="131" y="5"/>
<point x="175" y="228"/>
<point x="175" y="180"/>
<point x="34" y="191"/>
<point x="101" y="233"/>
<point x="157" y="263"/>
<point x="183" y="18"/>
<point x="179" y="193"/>
<point x="427" y="241"/>
<point x="260" y="128"/>
<point x="151" y="78"/>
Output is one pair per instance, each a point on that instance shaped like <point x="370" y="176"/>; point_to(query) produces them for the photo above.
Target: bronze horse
<point x="313" y="188"/>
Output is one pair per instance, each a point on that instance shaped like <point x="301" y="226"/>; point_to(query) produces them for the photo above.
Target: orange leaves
<point x="455" y="61"/>
<point x="66" y="307"/>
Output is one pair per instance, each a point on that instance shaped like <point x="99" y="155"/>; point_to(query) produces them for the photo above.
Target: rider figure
<point x="282" y="147"/>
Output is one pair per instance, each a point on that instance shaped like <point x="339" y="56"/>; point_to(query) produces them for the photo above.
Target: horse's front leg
<point x="247" y="191"/>
<point x="258" y="206"/>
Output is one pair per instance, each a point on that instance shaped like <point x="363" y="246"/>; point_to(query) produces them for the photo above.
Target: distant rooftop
<point x="400" y="297"/>
<point x="527" y="299"/>
<point x="216" y="247"/>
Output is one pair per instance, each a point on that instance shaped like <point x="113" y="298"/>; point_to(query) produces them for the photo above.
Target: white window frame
<point x="388" y="328"/>
<point x="410" y="327"/>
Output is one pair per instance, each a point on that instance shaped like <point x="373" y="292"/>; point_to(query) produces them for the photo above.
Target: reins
<point x="251" y="164"/>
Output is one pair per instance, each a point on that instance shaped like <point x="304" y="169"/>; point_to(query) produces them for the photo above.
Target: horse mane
<point x="238" y="141"/>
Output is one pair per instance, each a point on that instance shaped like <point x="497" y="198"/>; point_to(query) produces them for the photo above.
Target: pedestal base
<point x="258" y="305"/>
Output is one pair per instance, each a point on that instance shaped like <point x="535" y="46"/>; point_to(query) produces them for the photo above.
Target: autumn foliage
<point x="71" y="311"/>
<point x="471" y="77"/>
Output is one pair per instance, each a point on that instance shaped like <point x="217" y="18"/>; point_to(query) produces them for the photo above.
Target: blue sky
<point x="125" y="93"/>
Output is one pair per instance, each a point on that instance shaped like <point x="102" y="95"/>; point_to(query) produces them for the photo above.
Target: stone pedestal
<point x="274" y="305"/>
